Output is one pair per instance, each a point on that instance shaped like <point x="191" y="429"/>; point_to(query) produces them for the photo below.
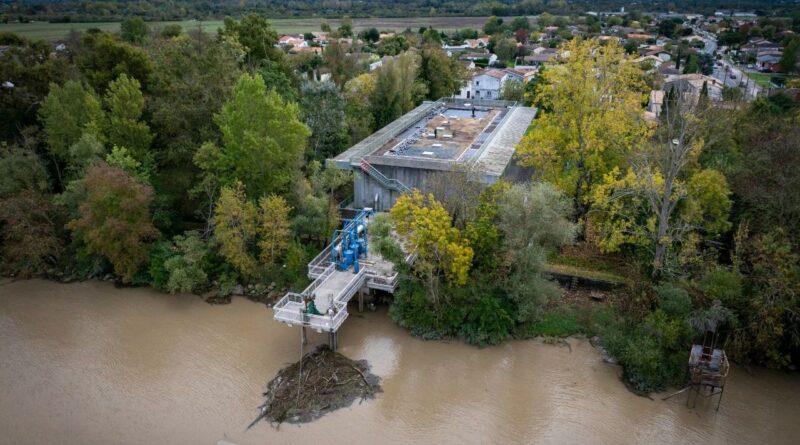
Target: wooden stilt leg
<point x="304" y="335"/>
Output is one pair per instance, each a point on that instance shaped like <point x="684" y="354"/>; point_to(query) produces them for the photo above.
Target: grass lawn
<point x="762" y="79"/>
<point x="55" y="31"/>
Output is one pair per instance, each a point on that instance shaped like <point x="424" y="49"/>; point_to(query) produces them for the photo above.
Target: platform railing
<point x="327" y="272"/>
<point x="289" y="310"/>
<point x="352" y="287"/>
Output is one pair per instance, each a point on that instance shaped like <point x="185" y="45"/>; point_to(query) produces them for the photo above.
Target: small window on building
<point x="477" y="82"/>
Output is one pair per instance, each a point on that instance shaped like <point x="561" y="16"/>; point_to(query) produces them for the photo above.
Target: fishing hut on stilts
<point x="708" y="366"/>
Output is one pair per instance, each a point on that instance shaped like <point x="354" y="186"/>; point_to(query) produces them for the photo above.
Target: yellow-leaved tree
<point x="235" y="228"/>
<point x="590" y="117"/>
<point x="426" y="227"/>
<point x="665" y="200"/>
<point x="274" y="228"/>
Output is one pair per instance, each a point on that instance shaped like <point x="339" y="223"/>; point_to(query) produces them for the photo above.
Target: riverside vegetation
<point x="192" y="163"/>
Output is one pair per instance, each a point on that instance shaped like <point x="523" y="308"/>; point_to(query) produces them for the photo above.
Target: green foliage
<point x="262" y="140"/>
<point x="30" y="67"/>
<point x="556" y="323"/>
<point x="674" y="300"/>
<point x="255" y="35"/>
<point x="121" y="158"/>
<point x="20" y="169"/>
<point x="487" y="321"/>
<point x="188" y="264"/>
<point x="392" y="46"/>
<point x="107" y="58"/>
<point x="66" y="113"/>
<point x="123" y="126"/>
<point x="160" y="252"/>
<point x="443" y="76"/>
<point x="171" y="31"/>
<point x="134" y="30"/>
<point x="397" y="89"/>
<point x="296" y="265"/>
<point x="653" y="352"/>
<point x="323" y="112"/>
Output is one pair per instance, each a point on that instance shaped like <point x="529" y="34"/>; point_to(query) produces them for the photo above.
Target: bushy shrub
<point x="296" y="265"/>
<point x="187" y="267"/>
<point x="723" y="285"/>
<point x="674" y="300"/>
<point x="160" y="252"/>
<point x="653" y="352"/>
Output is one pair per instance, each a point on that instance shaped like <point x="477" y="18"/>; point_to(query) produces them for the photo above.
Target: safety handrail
<point x="380" y="177"/>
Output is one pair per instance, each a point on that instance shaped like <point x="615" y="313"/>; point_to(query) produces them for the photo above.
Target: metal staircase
<point x="392" y="183"/>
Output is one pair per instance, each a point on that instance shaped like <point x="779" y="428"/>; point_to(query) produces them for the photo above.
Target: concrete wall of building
<point x="366" y="188"/>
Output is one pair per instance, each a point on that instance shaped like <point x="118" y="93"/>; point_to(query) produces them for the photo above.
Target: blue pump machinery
<point x="351" y="241"/>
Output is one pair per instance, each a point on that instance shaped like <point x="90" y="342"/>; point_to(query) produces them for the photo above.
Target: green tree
<point x="323" y="112"/>
<point x="106" y="58"/>
<point x="358" y="109"/>
<point x="235" y="225"/>
<point x="443" y="76"/>
<point x="124" y="103"/>
<point x="494" y="25"/>
<point x="790" y="59"/>
<point x="193" y="75"/>
<point x="392" y="46"/>
<point x="114" y="219"/>
<point x="513" y="90"/>
<point x="274" y="229"/>
<point x="134" y="30"/>
<point x="256" y="36"/>
<point x="171" y="31"/>
<point x="66" y="113"/>
<point x="31" y="69"/>
<point x="263" y="140"/>
<point x="186" y="267"/>
<point x="340" y="61"/>
<point x="21" y="169"/>
<point x="397" y="89"/>
<point x="520" y="23"/>
<point x="505" y="49"/>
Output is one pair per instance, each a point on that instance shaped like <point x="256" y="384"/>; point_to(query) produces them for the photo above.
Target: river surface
<point x="87" y="363"/>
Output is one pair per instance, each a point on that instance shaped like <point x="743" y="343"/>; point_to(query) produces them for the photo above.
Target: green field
<point x="55" y="31"/>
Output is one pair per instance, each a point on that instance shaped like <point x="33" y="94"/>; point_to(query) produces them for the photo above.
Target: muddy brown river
<point x="90" y="364"/>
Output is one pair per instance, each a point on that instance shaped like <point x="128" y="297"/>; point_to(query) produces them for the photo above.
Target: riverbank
<point x="90" y="363"/>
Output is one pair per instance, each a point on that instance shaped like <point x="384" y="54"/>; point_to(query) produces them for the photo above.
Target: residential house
<point x="539" y="59"/>
<point x="295" y="40"/>
<point x="488" y="84"/>
<point x="760" y="46"/>
<point x="691" y="85"/>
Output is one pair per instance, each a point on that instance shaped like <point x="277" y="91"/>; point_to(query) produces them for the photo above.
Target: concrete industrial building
<point x="448" y="134"/>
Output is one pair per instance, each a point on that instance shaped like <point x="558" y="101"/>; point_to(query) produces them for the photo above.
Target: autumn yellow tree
<point x="665" y="199"/>
<point x="427" y="229"/>
<point x="274" y="228"/>
<point x="593" y="118"/>
<point x="235" y="222"/>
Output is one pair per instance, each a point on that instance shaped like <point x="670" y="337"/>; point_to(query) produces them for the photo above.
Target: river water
<point x="87" y="363"/>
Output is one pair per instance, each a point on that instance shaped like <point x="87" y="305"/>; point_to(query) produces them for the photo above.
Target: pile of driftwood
<point x="320" y="382"/>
